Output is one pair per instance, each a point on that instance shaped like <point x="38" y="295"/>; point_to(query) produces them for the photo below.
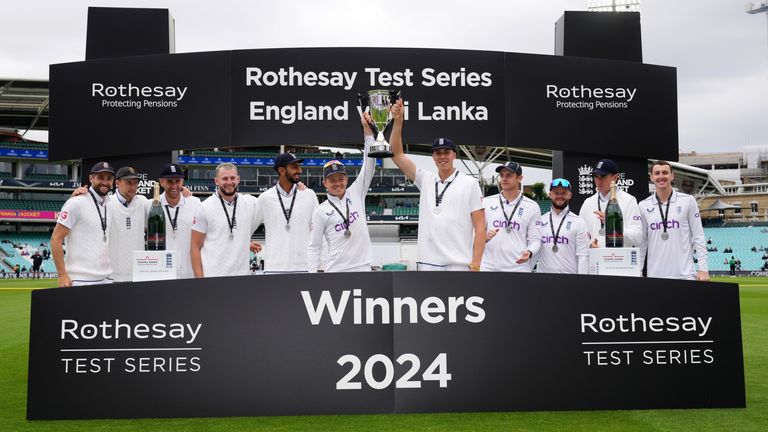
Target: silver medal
<point x="105" y="237"/>
<point x="509" y="229"/>
<point x="347" y="233"/>
<point x="287" y="227"/>
<point x="231" y="236"/>
<point x="555" y="248"/>
<point x="602" y="231"/>
<point x="664" y="236"/>
<point x="436" y="210"/>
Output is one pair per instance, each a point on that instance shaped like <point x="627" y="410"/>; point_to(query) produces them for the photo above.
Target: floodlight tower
<point x="613" y="5"/>
<point x="753" y="9"/>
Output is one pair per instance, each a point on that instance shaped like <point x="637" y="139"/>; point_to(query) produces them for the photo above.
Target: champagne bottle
<point x="614" y="222"/>
<point x="156" y="223"/>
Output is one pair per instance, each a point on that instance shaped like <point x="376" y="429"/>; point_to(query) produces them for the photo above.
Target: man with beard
<point x="84" y="223"/>
<point x="672" y="230"/>
<point x="222" y="228"/>
<point x="128" y="214"/>
<point x="451" y="220"/>
<point x="593" y="209"/>
<point x="340" y="219"/>
<point x="564" y="236"/>
<point x="179" y="212"/>
<point x="512" y="238"/>
<point x="286" y="211"/>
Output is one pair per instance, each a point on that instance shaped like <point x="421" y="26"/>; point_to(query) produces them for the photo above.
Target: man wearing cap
<point x="286" y="211"/>
<point x="128" y="212"/>
<point x="672" y="230"/>
<point x="564" y="236"/>
<point x="179" y="212"/>
<point x="452" y="230"/>
<point x="511" y="217"/>
<point x="222" y="228"/>
<point x="593" y="209"/>
<point x="84" y="223"/>
<point x="340" y="219"/>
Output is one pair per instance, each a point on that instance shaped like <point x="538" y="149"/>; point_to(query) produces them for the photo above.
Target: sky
<point x="720" y="51"/>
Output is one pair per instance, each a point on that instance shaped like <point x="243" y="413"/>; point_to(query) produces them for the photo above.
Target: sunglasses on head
<point x="560" y="182"/>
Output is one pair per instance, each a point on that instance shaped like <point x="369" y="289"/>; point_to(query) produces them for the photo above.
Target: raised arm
<point x="400" y="159"/>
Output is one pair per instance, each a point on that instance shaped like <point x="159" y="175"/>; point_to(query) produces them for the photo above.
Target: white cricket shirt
<point x="180" y="241"/>
<point x="87" y="254"/>
<point x="286" y="249"/>
<point x="446" y="232"/>
<point x="222" y="255"/>
<point x="573" y="241"/>
<point x="505" y="248"/>
<point x="630" y="212"/>
<point x="344" y="253"/>
<point x="673" y="258"/>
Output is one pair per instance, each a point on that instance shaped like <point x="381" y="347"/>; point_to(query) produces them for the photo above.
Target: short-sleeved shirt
<point x="446" y="232"/>
<point x="87" y="258"/>
<point x="221" y="254"/>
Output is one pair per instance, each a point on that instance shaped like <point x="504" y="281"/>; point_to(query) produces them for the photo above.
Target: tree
<point x="538" y="192"/>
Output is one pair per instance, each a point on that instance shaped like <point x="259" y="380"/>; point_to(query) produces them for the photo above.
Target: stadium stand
<point x="739" y="240"/>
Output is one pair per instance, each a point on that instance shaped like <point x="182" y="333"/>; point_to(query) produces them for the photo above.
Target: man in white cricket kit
<point x="593" y="209"/>
<point x="451" y="219"/>
<point x="564" y="236"/>
<point x="179" y="212"/>
<point x="512" y="237"/>
<point x="672" y="230"/>
<point x="84" y="223"/>
<point x="286" y="213"/>
<point x="222" y="228"/>
<point x="341" y="218"/>
<point x="128" y="216"/>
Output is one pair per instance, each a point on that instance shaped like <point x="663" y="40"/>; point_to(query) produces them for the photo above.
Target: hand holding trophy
<point x="379" y="103"/>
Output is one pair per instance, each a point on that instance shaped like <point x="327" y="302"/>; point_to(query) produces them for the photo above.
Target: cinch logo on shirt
<point x="670" y="224"/>
<point x="560" y="239"/>
<point x="342" y="226"/>
<point x="636" y="218"/>
<point x="503" y="224"/>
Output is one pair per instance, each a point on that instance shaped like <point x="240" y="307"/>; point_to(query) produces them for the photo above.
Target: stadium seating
<point x="39" y="205"/>
<point x="29" y="241"/>
<point x="741" y="240"/>
<point x="24" y="145"/>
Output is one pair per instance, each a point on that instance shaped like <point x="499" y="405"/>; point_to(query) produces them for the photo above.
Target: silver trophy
<point x="379" y="102"/>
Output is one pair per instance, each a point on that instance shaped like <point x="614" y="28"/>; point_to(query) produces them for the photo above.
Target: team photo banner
<point x="383" y="342"/>
<point x="309" y="96"/>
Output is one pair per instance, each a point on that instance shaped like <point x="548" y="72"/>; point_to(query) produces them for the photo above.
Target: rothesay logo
<point x="130" y="95"/>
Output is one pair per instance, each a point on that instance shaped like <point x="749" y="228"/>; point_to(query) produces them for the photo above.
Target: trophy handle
<point x="363" y="101"/>
<point x="394" y="95"/>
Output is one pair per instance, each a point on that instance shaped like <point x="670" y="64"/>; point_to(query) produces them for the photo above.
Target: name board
<point x="383" y="342"/>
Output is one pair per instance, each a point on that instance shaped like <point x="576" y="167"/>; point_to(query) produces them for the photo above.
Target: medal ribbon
<point x="346" y="220"/>
<point x="439" y="198"/>
<point x="98" y="209"/>
<point x="230" y="222"/>
<point x="664" y="217"/>
<point x="552" y="226"/>
<point x="514" y="210"/>
<point x="289" y="212"/>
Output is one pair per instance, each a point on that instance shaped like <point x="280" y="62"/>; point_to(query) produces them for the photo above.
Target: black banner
<point x="308" y="96"/>
<point x="382" y="342"/>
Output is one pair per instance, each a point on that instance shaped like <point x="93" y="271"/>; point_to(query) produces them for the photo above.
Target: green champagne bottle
<point x="156" y="223"/>
<point x="614" y="222"/>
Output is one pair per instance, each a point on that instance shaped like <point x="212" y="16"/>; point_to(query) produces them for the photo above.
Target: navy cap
<point x="102" y="167"/>
<point x="332" y="167"/>
<point x="172" y="170"/>
<point x="512" y="166"/>
<point x="286" y="159"/>
<point x="443" y="143"/>
<point x="605" y="167"/>
<point x="127" y="173"/>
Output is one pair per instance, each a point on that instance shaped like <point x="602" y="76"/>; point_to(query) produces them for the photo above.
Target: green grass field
<point x="14" y="336"/>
